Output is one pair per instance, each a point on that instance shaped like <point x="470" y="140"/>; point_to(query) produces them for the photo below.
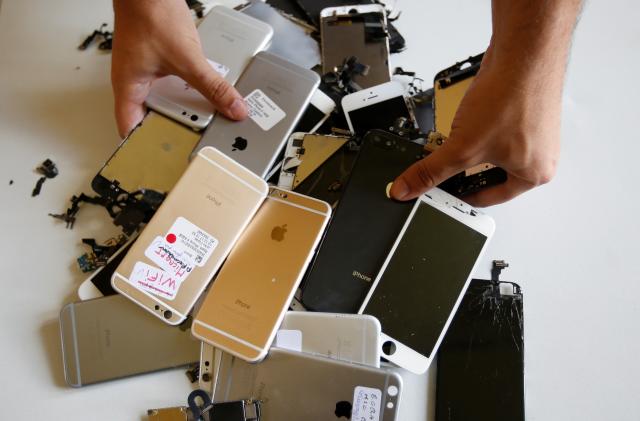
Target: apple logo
<point x="343" y="409"/>
<point x="240" y="143"/>
<point x="277" y="233"/>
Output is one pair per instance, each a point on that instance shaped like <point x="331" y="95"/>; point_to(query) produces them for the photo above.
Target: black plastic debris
<point x="100" y="253"/>
<point x="10" y="182"/>
<point x="99" y="35"/>
<point x="48" y="169"/>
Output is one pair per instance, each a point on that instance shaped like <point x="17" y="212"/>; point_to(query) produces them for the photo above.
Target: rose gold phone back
<point x="254" y="287"/>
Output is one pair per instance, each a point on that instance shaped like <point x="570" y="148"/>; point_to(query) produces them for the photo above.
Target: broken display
<point x="480" y="372"/>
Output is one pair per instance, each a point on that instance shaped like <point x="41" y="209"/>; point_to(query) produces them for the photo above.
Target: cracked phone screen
<point x="481" y="360"/>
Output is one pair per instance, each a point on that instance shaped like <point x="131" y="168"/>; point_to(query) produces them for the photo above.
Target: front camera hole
<point x="389" y="348"/>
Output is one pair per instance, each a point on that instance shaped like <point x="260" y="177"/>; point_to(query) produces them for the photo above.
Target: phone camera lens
<point x="389" y="348"/>
<point x="167" y="314"/>
<point x="194" y="118"/>
<point x="206" y="377"/>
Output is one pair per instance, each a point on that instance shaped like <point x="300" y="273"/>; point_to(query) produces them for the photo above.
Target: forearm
<point x="531" y="40"/>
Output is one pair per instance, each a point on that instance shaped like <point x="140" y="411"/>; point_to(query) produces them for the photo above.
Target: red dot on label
<point x="171" y="238"/>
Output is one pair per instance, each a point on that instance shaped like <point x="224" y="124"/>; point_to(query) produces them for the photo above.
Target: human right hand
<point x="155" y="38"/>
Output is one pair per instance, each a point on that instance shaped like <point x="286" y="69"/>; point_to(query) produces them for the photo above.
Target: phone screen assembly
<point x="364" y="226"/>
<point x="276" y="92"/>
<point x="480" y="372"/>
<point x="365" y="26"/>
<point x="424" y="277"/>
<point x="229" y="40"/>
<point x="154" y="156"/>
<point x="304" y="154"/>
<point x="110" y="337"/>
<point x="285" y="380"/>
<point x="190" y="235"/>
<point x="450" y="86"/>
<point x="251" y="293"/>
<point x="377" y="107"/>
<point x="99" y="283"/>
<point x="317" y="112"/>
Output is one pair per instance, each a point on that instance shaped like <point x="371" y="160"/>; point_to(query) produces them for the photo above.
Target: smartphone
<point x="153" y="156"/>
<point x="276" y="92"/>
<point x="99" y="283"/>
<point x="108" y="338"/>
<point x="247" y="301"/>
<point x="364" y="227"/>
<point x="365" y="26"/>
<point x="317" y="112"/>
<point x="346" y="337"/>
<point x="450" y="87"/>
<point x="229" y="40"/>
<point x="304" y="154"/>
<point x="420" y="285"/>
<point x="377" y="107"/>
<point x="480" y="372"/>
<point x="210" y="359"/>
<point x="291" y="41"/>
<point x="286" y="380"/>
<point x="190" y="235"/>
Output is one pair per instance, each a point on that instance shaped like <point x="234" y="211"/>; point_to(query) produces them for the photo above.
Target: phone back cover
<point x="297" y="386"/>
<point x="114" y="338"/>
<point x="284" y="90"/>
<point x="364" y="227"/>
<point x="181" y="248"/>
<point x="256" y="283"/>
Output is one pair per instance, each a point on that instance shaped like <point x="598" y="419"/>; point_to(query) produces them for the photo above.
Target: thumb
<point x="432" y="170"/>
<point x="218" y="91"/>
<point x="129" y="104"/>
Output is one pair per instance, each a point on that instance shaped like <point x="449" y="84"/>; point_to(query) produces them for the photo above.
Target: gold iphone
<point x="190" y="235"/>
<point x="250" y="295"/>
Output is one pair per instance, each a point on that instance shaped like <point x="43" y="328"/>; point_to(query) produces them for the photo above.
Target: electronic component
<point x="241" y="410"/>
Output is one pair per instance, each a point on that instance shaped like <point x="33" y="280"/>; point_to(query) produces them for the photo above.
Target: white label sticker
<point x="220" y="68"/>
<point x="289" y="339"/>
<point x="263" y="110"/>
<point x="154" y="280"/>
<point x="189" y="240"/>
<point x="366" y="404"/>
<point x="173" y="261"/>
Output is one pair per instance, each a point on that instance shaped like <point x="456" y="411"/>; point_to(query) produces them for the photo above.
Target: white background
<point x="572" y="244"/>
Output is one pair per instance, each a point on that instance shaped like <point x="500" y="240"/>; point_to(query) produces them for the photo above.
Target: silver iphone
<point x="277" y="93"/>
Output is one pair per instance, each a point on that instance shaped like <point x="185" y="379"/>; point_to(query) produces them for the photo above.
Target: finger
<point x="129" y="104"/>
<point x="427" y="173"/>
<point x="218" y="91"/>
<point x="501" y="193"/>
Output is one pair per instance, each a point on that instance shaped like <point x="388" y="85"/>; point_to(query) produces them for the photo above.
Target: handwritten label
<point x="154" y="280"/>
<point x="366" y="404"/>
<point x="187" y="239"/>
<point x="263" y="110"/>
<point x="170" y="259"/>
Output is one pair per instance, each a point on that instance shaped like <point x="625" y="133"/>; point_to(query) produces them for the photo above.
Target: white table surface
<point x="572" y="244"/>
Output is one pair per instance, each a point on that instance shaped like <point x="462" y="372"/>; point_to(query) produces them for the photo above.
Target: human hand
<point x="504" y="119"/>
<point x="155" y="38"/>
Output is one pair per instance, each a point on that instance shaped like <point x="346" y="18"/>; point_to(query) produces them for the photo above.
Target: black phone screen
<point x="480" y="372"/>
<point x="424" y="278"/>
<point x="382" y="115"/>
<point x="310" y="119"/>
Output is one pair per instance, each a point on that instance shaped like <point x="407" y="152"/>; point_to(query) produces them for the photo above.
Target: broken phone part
<point x="318" y="110"/>
<point x="101" y="340"/>
<point x="337" y="387"/>
<point x="245" y="305"/>
<point x="201" y="408"/>
<point x="276" y="92"/>
<point x="230" y="39"/>
<point x="366" y="28"/>
<point x="480" y="372"/>
<point x="48" y="169"/>
<point x="364" y="226"/>
<point x="424" y="277"/>
<point x="189" y="236"/>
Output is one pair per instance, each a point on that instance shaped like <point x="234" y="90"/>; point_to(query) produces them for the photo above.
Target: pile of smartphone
<point x="278" y="260"/>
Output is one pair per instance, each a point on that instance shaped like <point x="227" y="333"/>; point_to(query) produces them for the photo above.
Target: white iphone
<point x="317" y="112"/>
<point x="425" y="276"/>
<point x="229" y="39"/>
<point x="347" y="337"/>
<point x="377" y="107"/>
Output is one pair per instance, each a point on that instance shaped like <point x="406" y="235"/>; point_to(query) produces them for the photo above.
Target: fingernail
<point x="238" y="109"/>
<point x="399" y="189"/>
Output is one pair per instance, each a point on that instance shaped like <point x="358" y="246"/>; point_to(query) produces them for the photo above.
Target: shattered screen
<point x="481" y="360"/>
<point x="423" y="280"/>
